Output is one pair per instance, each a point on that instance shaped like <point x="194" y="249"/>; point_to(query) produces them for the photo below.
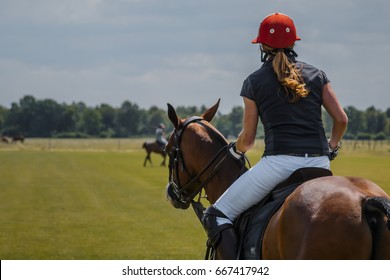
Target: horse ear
<point x="210" y="113"/>
<point x="173" y="116"/>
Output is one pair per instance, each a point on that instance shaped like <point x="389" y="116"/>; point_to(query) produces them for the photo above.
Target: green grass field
<point x="93" y="199"/>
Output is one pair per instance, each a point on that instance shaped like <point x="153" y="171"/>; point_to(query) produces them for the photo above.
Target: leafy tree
<point x="387" y="128"/>
<point x="355" y="120"/>
<point x="223" y="125"/>
<point x="183" y="112"/>
<point x="26" y="114"/>
<point x="127" y="120"/>
<point x="388" y="113"/>
<point x="235" y="118"/>
<point x="91" y="122"/>
<point x="375" y="120"/>
<point x="156" y="116"/>
<point x="108" y="114"/>
<point x="68" y="119"/>
<point x="46" y="119"/>
<point x="3" y="113"/>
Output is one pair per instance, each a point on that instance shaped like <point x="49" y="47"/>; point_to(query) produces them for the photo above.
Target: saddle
<point x="160" y="144"/>
<point x="251" y="224"/>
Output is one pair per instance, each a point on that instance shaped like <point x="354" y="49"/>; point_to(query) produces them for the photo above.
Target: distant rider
<point x="160" y="135"/>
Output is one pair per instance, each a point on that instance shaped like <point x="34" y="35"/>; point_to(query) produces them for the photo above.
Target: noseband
<point x="182" y="196"/>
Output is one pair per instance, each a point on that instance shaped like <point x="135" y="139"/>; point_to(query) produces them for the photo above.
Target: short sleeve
<point x="246" y="90"/>
<point x="324" y="78"/>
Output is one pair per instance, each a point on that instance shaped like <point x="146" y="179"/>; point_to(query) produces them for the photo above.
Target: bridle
<point x="182" y="196"/>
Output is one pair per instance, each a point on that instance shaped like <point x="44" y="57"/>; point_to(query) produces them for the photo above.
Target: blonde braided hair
<point x="288" y="74"/>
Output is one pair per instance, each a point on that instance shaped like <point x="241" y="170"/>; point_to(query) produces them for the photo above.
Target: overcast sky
<point x="185" y="52"/>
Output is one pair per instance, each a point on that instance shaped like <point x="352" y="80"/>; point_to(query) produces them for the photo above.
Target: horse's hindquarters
<point x="322" y="219"/>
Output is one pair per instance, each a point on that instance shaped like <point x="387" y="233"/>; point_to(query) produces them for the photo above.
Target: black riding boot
<point x="222" y="238"/>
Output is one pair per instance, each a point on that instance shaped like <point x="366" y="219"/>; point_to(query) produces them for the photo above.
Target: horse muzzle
<point x="174" y="199"/>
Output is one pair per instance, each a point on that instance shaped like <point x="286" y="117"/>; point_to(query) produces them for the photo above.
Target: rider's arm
<point x="336" y="112"/>
<point x="247" y="136"/>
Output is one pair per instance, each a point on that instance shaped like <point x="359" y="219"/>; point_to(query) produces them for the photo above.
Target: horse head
<point x="197" y="154"/>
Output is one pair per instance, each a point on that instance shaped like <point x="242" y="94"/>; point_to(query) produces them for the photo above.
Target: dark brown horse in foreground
<point x="154" y="147"/>
<point x="330" y="217"/>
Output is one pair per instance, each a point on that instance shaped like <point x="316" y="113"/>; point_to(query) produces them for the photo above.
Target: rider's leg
<point x="257" y="182"/>
<point x="222" y="237"/>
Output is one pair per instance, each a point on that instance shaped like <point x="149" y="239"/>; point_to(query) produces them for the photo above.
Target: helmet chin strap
<point x="265" y="55"/>
<point x="290" y="51"/>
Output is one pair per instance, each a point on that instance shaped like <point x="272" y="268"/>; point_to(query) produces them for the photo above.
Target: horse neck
<point x="198" y="151"/>
<point x="222" y="181"/>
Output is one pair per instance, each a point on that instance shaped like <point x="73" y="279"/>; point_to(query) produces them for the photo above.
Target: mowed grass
<point x="101" y="203"/>
<point x="90" y="205"/>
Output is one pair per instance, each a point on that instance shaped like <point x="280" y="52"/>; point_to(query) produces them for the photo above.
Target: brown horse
<point x="18" y="138"/>
<point x="4" y="139"/>
<point x="329" y="217"/>
<point x="155" y="148"/>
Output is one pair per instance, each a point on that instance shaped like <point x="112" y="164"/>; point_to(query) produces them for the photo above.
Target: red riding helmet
<point x="277" y="31"/>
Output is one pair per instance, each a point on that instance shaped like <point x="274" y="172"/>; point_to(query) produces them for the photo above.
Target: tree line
<point x="32" y="117"/>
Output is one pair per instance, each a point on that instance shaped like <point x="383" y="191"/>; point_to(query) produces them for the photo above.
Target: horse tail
<point x="378" y="206"/>
<point x="376" y="209"/>
<point x="144" y="145"/>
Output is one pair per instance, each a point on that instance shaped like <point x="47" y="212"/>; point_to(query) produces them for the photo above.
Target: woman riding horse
<point x="329" y="217"/>
<point x="287" y="95"/>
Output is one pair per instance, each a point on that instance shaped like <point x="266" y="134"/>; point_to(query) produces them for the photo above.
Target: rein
<point x="186" y="194"/>
<point x="194" y="180"/>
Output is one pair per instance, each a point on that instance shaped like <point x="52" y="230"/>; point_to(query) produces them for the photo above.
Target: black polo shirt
<point x="290" y="128"/>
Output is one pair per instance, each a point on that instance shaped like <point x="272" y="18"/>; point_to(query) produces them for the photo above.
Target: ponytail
<point x="288" y="74"/>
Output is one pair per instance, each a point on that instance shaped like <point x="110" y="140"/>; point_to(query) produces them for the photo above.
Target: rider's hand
<point x="232" y="148"/>
<point x="333" y="152"/>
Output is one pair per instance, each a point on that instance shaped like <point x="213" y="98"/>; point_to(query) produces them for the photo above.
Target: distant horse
<point x="17" y="138"/>
<point x="155" y="148"/>
<point x="330" y="217"/>
<point x="4" y="139"/>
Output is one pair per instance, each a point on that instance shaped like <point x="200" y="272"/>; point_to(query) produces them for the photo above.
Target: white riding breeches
<point x="258" y="181"/>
